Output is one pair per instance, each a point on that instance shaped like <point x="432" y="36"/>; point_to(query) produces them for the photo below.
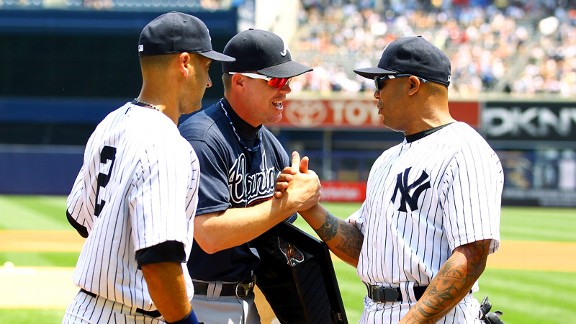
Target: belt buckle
<point x="243" y="289"/>
<point x="382" y="294"/>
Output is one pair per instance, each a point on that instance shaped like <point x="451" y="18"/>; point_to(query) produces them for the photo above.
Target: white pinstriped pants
<point x="85" y="309"/>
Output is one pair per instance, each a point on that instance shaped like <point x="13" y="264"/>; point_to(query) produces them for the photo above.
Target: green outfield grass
<point x="525" y="296"/>
<point x="538" y="224"/>
<point x="31" y="316"/>
<point x="33" y="213"/>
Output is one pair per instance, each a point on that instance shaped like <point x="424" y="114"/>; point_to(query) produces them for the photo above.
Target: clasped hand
<point x="298" y="185"/>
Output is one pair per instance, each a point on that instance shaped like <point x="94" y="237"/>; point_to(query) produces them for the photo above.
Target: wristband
<point x="190" y="319"/>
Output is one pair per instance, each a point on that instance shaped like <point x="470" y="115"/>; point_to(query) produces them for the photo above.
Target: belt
<point x="238" y="289"/>
<point x="138" y="310"/>
<point x="381" y="294"/>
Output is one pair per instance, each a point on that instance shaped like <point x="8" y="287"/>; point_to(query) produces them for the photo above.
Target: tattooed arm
<point x="452" y="283"/>
<point x="343" y="239"/>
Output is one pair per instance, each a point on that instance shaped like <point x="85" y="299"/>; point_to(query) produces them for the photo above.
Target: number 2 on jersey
<point x="108" y="153"/>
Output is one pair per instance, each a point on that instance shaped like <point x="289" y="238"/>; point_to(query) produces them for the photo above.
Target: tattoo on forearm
<point x="352" y="240"/>
<point x="329" y="229"/>
<point x="350" y="237"/>
<point x="453" y="281"/>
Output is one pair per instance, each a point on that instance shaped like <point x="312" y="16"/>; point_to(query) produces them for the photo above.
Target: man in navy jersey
<point x="239" y="161"/>
<point x="431" y="217"/>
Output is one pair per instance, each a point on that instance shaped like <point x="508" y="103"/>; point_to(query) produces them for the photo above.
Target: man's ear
<point x="414" y="85"/>
<point x="184" y="63"/>
<point x="237" y="80"/>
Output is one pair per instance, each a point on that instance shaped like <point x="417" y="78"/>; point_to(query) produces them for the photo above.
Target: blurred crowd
<point x="496" y="46"/>
<point x="121" y="4"/>
<point x="521" y="47"/>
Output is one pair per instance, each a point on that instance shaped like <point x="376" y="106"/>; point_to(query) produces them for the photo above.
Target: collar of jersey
<point x="248" y="135"/>
<point x="417" y="136"/>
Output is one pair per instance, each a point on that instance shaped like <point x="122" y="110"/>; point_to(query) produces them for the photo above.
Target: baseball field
<point x="532" y="279"/>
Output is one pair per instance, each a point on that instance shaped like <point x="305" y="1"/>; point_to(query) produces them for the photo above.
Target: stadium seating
<point x="525" y="47"/>
<point x="518" y="47"/>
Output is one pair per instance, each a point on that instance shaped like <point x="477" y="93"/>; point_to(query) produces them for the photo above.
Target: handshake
<point x="297" y="186"/>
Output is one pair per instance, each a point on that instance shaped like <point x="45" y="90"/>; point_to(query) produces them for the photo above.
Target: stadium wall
<point x="86" y="53"/>
<point x="64" y="70"/>
<point x="534" y="139"/>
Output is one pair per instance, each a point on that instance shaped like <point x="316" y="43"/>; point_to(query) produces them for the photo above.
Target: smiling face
<point x="255" y="101"/>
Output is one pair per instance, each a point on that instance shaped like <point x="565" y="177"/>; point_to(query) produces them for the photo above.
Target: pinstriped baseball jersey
<point x="425" y="198"/>
<point x="135" y="190"/>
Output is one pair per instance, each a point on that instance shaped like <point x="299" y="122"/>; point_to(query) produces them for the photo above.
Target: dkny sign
<point x="529" y="121"/>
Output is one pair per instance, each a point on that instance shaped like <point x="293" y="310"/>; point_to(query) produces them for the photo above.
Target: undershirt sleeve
<point x="169" y="251"/>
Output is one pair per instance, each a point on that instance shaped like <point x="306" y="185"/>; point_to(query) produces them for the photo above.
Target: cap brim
<point x="372" y="72"/>
<point x="217" y="56"/>
<point x="285" y="70"/>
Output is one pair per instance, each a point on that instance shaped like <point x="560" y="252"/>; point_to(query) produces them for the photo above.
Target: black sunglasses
<point x="379" y="80"/>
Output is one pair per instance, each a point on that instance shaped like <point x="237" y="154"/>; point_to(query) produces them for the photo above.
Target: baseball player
<point x="240" y="159"/>
<point x="135" y="196"/>
<point x="432" y="211"/>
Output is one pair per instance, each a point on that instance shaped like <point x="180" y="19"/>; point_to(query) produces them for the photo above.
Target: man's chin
<point x="275" y="120"/>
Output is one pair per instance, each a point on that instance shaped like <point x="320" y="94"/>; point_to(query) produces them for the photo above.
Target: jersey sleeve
<point x="213" y="194"/>
<point x="76" y="207"/>
<point x="473" y="197"/>
<point x="160" y="195"/>
<point x="357" y="219"/>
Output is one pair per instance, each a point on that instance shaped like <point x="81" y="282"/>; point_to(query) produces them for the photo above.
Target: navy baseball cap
<point x="411" y="55"/>
<point x="177" y="32"/>
<point x="261" y="51"/>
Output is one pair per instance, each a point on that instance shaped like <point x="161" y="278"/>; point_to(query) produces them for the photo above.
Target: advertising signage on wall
<point x="351" y="113"/>
<point x="529" y="121"/>
<point x="539" y="177"/>
<point x="540" y="160"/>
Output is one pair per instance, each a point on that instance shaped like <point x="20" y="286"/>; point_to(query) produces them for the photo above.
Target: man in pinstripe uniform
<point x="421" y="238"/>
<point x="136" y="194"/>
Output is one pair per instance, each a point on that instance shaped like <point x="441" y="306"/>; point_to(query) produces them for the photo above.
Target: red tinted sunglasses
<point x="273" y="82"/>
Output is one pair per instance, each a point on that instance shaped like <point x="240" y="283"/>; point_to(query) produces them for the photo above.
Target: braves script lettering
<point x="404" y="188"/>
<point x="246" y="188"/>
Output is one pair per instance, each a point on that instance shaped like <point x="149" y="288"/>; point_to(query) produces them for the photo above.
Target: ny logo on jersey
<point x="417" y="187"/>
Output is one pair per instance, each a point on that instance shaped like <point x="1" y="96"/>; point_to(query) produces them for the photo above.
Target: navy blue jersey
<point x="238" y="166"/>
